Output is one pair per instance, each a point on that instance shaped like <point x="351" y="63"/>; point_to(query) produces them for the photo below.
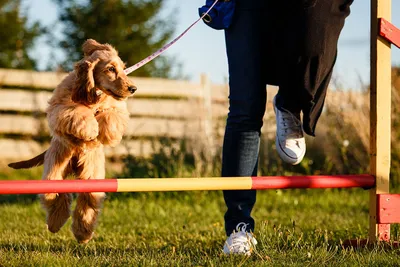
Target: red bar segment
<point x="59" y="186"/>
<point x="388" y="208"/>
<point x="389" y="32"/>
<point x="318" y="181"/>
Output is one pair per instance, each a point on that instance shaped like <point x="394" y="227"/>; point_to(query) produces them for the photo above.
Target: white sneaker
<point x="289" y="141"/>
<point x="240" y="242"/>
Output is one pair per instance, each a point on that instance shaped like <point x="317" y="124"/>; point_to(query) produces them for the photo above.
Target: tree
<point x="16" y="36"/>
<point x="133" y="27"/>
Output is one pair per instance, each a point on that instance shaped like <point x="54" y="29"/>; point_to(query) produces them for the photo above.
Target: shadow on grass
<point x="71" y="247"/>
<point x="12" y="199"/>
<point x="187" y="196"/>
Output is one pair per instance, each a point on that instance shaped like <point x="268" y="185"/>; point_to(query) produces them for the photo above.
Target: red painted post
<point x="388" y="210"/>
<point x="388" y="31"/>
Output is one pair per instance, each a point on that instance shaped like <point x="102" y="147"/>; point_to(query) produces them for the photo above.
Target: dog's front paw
<point x="112" y="126"/>
<point x="87" y="129"/>
<point x="110" y="138"/>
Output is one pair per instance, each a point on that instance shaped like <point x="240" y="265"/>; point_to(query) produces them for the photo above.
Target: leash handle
<point x="164" y="48"/>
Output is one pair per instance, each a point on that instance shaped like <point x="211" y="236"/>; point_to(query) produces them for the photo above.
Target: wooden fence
<point x="160" y="108"/>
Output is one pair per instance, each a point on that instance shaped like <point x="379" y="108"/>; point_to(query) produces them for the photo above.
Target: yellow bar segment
<point x="184" y="184"/>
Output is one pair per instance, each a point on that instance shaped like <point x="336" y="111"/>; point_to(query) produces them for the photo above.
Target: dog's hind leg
<point x="57" y="206"/>
<point x="91" y="165"/>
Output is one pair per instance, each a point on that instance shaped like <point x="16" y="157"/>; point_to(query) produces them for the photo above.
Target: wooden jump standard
<point x="382" y="205"/>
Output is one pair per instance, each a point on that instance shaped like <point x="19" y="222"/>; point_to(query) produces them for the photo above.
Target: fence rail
<point x="160" y="108"/>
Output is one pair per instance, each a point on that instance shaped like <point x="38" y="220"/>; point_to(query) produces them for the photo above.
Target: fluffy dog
<point x="86" y="111"/>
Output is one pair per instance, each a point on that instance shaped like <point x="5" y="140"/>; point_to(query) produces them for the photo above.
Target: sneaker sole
<point x="285" y="157"/>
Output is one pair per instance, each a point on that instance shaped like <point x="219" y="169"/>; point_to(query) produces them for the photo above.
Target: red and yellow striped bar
<point x="186" y="184"/>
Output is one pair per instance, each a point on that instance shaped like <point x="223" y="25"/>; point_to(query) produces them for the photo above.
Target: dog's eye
<point x="112" y="69"/>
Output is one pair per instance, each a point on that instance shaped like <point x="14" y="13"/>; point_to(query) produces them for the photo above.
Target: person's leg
<point x="309" y="48"/>
<point x="247" y="98"/>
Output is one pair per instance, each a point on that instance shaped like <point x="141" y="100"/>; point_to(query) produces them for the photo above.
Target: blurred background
<point x="202" y="49"/>
<point x="178" y="114"/>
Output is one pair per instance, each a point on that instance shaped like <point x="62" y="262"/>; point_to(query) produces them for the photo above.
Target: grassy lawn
<point x="293" y="228"/>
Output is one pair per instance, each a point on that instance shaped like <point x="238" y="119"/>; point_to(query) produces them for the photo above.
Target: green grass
<point x="294" y="228"/>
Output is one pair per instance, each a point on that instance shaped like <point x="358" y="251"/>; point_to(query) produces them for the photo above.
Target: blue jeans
<point x="291" y="44"/>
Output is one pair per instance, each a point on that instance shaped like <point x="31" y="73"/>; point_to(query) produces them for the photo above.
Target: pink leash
<point x="163" y="49"/>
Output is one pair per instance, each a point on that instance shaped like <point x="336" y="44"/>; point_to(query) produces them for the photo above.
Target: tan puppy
<point x="86" y="111"/>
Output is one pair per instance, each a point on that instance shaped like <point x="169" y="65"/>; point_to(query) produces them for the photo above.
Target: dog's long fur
<point x="86" y="111"/>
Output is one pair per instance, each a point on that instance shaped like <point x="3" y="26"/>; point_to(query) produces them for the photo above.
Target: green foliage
<point x="169" y="160"/>
<point x="172" y="158"/>
<point x="17" y="36"/>
<point x="134" y="27"/>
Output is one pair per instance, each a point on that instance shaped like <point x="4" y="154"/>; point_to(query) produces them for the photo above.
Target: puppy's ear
<point x="90" y="46"/>
<point x="84" y="90"/>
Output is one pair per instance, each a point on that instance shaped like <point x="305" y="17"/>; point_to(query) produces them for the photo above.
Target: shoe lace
<point x="291" y="124"/>
<point x="241" y="227"/>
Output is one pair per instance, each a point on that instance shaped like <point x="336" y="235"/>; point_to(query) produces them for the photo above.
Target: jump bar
<point x="185" y="184"/>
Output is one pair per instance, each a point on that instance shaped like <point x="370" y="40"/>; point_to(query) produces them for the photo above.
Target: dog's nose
<point x="132" y="89"/>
